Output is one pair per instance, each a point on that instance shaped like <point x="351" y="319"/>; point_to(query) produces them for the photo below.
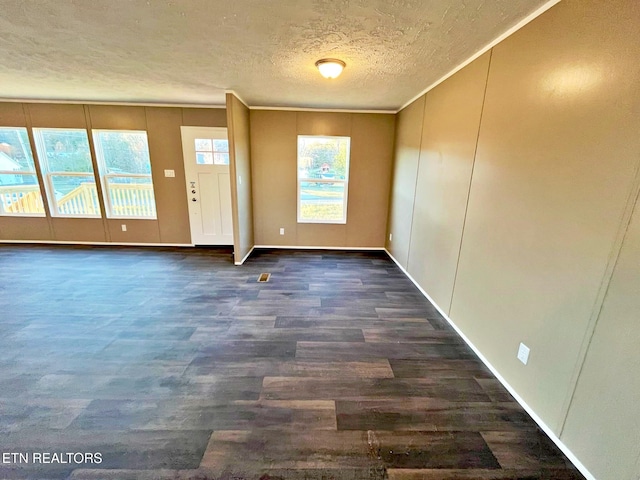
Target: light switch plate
<point x="523" y="353"/>
<point x="282" y="231"/>
<point x="169" y="173"/>
<point x="124" y="227"/>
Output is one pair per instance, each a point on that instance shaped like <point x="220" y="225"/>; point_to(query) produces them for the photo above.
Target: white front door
<point x="206" y="166"/>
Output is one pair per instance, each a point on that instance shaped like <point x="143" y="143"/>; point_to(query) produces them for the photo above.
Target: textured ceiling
<point x="191" y="51"/>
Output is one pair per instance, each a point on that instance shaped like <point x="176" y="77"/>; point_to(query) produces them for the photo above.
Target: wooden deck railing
<point x="125" y="200"/>
<point x="21" y="199"/>
<point x="132" y="200"/>
<point x="82" y="200"/>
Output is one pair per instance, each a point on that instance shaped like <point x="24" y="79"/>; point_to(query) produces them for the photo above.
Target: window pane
<point x="123" y="152"/>
<point x="221" y="158"/>
<point x="15" y="151"/>
<point x="20" y="194"/>
<point x="323" y="172"/>
<point x="204" y="144"/>
<point x="221" y="145"/>
<point x="204" y="158"/>
<point x="131" y="196"/>
<point x="75" y="194"/>
<point x="64" y="150"/>
<point x="321" y="202"/>
<point x="323" y="157"/>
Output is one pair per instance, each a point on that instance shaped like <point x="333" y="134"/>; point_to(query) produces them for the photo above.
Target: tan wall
<point x="405" y="172"/>
<point x="449" y="135"/>
<point x="274" y="157"/>
<point x="557" y="156"/>
<point x="603" y="426"/>
<point x="165" y="148"/>
<point x="240" y="171"/>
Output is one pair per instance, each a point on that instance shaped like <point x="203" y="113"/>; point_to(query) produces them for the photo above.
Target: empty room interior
<point x="320" y="239"/>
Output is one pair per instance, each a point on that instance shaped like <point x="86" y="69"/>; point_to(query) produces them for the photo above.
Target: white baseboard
<point x="578" y="464"/>
<point x="70" y="242"/>
<point x="245" y="257"/>
<point x="309" y="247"/>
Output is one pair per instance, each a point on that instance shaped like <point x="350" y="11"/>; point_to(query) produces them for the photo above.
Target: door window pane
<point x="204" y="158"/>
<point x="221" y="158"/>
<point x="220" y="145"/>
<point x="125" y="171"/>
<point x="65" y="160"/>
<point x="210" y="151"/>
<point x="204" y="144"/>
<point x="19" y="189"/>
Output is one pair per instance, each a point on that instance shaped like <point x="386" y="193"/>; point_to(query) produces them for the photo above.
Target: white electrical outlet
<point x="124" y="227"/>
<point x="391" y="237"/>
<point x="169" y="173"/>
<point x="523" y="353"/>
<point x="282" y="231"/>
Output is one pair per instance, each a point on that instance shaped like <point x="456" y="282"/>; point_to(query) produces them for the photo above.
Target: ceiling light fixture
<point x="330" y="67"/>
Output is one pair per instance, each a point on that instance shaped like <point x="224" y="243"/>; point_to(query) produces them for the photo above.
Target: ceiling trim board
<point x="119" y="104"/>
<point x="327" y="110"/>
<point x="235" y="94"/>
<point x="485" y="49"/>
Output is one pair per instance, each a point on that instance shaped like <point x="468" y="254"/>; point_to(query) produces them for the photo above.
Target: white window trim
<point x="344" y="181"/>
<point x="102" y="167"/>
<point x="47" y="175"/>
<point x="23" y="172"/>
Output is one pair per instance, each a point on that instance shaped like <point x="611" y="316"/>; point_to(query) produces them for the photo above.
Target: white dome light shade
<point x="330" y="67"/>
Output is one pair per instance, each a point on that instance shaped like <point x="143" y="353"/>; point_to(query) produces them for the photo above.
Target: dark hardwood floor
<point x="176" y="364"/>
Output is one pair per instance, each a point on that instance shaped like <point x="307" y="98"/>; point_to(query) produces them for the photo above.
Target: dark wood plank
<point x="430" y="414"/>
<point x="302" y="388"/>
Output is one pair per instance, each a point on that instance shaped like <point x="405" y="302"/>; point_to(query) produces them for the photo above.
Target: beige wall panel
<point x="47" y="115"/>
<point x="322" y="235"/>
<point x="405" y="171"/>
<point x="240" y="169"/>
<point x="274" y="151"/>
<point x="138" y="231"/>
<point x="24" y="228"/>
<point x="12" y="115"/>
<point x="449" y="137"/>
<point x="369" y="179"/>
<point x="165" y="150"/>
<point x="324" y="123"/>
<point x="78" y="229"/>
<point x="273" y="169"/>
<point x="115" y="117"/>
<point x="556" y="158"/>
<point x="603" y="425"/>
<point x="204" y="117"/>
